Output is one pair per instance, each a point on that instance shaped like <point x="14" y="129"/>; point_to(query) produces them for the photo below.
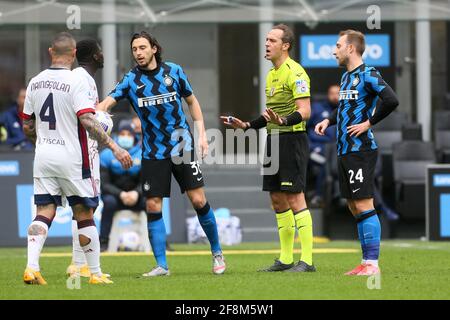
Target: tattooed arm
<point x="29" y="128"/>
<point x="97" y="133"/>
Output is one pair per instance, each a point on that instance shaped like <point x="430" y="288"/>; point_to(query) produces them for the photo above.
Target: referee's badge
<point x="272" y="91"/>
<point x="301" y="86"/>
<point x="146" y="186"/>
<point x="168" y="81"/>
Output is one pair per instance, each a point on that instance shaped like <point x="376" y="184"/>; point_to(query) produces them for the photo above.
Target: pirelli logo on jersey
<point x="348" y="94"/>
<point x="157" y="100"/>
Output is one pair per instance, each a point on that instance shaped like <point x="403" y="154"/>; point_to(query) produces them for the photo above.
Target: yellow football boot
<point x="33" y="277"/>
<point x="82" y="271"/>
<point x="94" y="279"/>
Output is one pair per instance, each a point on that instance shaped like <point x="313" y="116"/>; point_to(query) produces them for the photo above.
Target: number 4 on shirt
<point x="50" y="117"/>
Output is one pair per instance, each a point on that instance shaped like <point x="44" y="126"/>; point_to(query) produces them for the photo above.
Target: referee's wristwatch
<point x="284" y="121"/>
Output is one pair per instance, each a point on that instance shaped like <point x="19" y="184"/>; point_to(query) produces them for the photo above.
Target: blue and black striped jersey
<point x="358" y="97"/>
<point x="156" y="97"/>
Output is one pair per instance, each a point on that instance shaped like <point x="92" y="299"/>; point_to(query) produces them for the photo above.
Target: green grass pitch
<point x="410" y="270"/>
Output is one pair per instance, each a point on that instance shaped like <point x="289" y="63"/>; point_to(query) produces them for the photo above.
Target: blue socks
<point x="369" y="231"/>
<point x="208" y="222"/>
<point x="157" y="236"/>
<point x="157" y="233"/>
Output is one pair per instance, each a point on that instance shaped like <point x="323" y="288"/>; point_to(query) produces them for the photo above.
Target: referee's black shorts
<point x="356" y="174"/>
<point x="293" y="161"/>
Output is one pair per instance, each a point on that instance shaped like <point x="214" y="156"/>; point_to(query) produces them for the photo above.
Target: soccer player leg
<point x="190" y="179"/>
<point x="206" y="218"/>
<point x="156" y="181"/>
<point x="46" y="197"/>
<point x="157" y="236"/>
<point x="356" y="177"/>
<point x="83" y="200"/>
<point x="369" y="232"/>
<point x="87" y="235"/>
<point x="208" y="223"/>
<point x="37" y="234"/>
<point x="79" y="263"/>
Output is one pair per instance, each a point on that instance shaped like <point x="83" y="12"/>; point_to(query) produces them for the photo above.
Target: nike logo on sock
<point x="355" y="190"/>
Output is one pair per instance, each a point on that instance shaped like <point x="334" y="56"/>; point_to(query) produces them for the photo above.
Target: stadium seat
<point x="410" y="159"/>
<point x="442" y="139"/>
<point x="442" y="135"/>
<point x="389" y="131"/>
<point x="442" y="120"/>
<point x="412" y="131"/>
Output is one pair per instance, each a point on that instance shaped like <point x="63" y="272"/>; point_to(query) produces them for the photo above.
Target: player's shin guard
<point x="37" y="234"/>
<point x="91" y="250"/>
<point x="208" y="222"/>
<point x="369" y="230"/>
<point x="303" y="221"/>
<point x="286" y="231"/>
<point x="78" y="257"/>
<point x="157" y="236"/>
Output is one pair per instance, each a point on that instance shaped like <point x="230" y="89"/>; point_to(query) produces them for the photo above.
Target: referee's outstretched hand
<point x="233" y="122"/>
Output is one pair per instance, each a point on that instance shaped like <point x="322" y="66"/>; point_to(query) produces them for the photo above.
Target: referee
<point x="288" y="108"/>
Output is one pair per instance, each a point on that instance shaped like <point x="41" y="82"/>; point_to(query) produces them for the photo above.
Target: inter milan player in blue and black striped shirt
<point x="155" y="90"/>
<point x="361" y="88"/>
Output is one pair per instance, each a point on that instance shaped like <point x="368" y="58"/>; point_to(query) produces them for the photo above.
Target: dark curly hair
<point x="86" y="49"/>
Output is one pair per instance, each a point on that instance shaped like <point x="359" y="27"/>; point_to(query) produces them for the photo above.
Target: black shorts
<point x="293" y="160"/>
<point x="356" y="174"/>
<point x="157" y="176"/>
